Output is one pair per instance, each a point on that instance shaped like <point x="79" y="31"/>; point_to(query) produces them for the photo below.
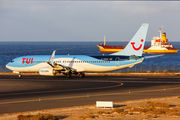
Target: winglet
<point x="136" y="45"/>
<point x="51" y="60"/>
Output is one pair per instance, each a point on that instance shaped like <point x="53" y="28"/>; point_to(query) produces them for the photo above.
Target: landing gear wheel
<point x="68" y="75"/>
<point x="20" y="75"/>
<point x="81" y="75"/>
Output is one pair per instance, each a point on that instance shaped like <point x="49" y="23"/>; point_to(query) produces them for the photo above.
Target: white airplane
<point x="79" y="64"/>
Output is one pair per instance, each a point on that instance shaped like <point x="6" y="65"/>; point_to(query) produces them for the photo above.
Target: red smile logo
<point x="138" y="47"/>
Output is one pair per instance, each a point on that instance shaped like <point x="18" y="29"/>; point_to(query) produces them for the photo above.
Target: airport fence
<point x="138" y="69"/>
<point x="4" y="69"/>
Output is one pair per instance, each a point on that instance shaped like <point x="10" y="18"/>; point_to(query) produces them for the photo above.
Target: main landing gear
<point x="81" y="75"/>
<point x="69" y="75"/>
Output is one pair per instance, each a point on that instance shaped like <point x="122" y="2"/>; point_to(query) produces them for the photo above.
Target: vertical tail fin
<point x="136" y="45"/>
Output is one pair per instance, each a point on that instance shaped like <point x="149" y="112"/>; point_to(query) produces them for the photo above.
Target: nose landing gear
<point x="20" y="75"/>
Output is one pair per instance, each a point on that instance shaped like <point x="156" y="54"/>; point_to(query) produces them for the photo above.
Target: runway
<point x="40" y="92"/>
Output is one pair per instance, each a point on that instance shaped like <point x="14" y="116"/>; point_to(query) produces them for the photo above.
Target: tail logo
<point x="138" y="47"/>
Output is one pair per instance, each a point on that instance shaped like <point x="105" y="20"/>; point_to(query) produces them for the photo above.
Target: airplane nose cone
<point x="8" y="65"/>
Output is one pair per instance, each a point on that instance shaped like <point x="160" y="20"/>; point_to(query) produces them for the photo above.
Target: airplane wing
<point x="63" y="68"/>
<point x="68" y="68"/>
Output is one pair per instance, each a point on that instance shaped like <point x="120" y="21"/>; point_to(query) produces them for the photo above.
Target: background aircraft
<point x="79" y="64"/>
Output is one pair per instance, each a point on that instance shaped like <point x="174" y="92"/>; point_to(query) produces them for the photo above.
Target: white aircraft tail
<point x="136" y="45"/>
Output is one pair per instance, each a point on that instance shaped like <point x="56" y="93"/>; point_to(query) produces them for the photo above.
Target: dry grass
<point x="157" y="104"/>
<point x="108" y="115"/>
<point x="117" y="110"/>
<point x="175" y="114"/>
<point x="101" y="112"/>
<point x="87" y="116"/>
<point x="141" y="106"/>
<point x="178" y="105"/>
<point x="39" y="116"/>
<point x="149" y="116"/>
<point x="160" y="111"/>
<point x="155" y="108"/>
<point x="124" y="113"/>
<point x="128" y="107"/>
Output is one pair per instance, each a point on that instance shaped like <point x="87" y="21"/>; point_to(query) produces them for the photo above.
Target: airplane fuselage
<point x="81" y="63"/>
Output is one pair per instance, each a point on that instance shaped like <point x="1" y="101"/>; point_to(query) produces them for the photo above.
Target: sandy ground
<point x="78" y="112"/>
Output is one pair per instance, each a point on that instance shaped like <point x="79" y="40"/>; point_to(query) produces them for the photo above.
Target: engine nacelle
<point x="47" y="71"/>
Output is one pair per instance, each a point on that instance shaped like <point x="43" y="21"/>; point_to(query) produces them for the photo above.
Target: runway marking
<point x="67" y="90"/>
<point x="84" y="96"/>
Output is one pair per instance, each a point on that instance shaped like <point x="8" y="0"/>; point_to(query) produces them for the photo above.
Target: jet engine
<point x="47" y="71"/>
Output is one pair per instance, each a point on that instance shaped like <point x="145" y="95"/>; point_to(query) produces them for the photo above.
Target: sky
<point x="35" y="20"/>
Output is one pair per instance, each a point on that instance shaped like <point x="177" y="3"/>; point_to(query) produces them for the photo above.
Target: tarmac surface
<point x="34" y="92"/>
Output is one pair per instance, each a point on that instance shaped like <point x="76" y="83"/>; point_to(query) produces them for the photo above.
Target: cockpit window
<point x="12" y="61"/>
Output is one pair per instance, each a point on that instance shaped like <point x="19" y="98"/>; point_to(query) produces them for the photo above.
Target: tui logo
<point x="138" y="47"/>
<point x="27" y="60"/>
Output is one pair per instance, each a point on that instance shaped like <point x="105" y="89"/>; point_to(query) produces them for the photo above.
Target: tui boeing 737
<point x="79" y="64"/>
